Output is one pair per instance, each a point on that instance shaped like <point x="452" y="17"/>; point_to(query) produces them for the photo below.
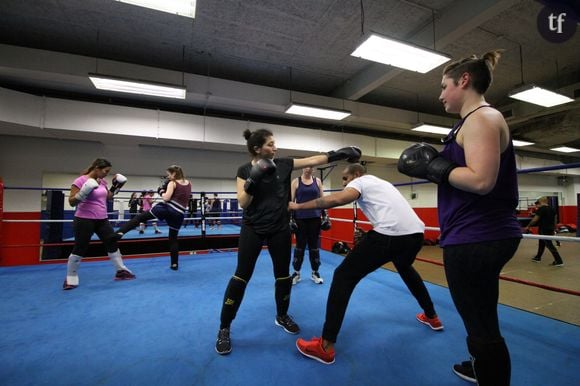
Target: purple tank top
<point x="306" y="193"/>
<point x="181" y="194"/>
<point x="466" y="217"/>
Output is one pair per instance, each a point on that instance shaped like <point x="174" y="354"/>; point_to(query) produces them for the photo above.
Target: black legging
<point x="373" y="251"/>
<point x="249" y="248"/>
<point x="308" y="233"/>
<point x="84" y="229"/>
<point x="472" y="272"/>
<point x="173" y="233"/>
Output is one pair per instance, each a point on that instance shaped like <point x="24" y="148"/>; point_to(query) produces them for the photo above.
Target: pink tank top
<point x="147" y="202"/>
<point x="95" y="206"/>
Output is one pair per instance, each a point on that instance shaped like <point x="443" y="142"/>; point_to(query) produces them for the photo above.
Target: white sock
<point x="117" y="260"/>
<point x="72" y="267"/>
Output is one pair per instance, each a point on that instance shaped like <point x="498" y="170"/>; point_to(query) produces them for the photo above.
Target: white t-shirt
<point x="385" y="207"/>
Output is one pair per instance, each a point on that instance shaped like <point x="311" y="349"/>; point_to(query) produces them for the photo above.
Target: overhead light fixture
<point x="519" y="143"/>
<point x="565" y="149"/>
<point x="426" y="128"/>
<point x="394" y="53"/>
<point x="317" y="112"/>
<point x="539" y="96"/>
<point x="104" y="82"/>
<point x="178" y="7"/>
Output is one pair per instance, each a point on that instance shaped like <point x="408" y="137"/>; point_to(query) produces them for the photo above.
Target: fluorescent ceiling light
<point x="394" y="53"/>
<point x="565" y="149"/>
<point x="539" y="96"/>
<point x="432" y="129"/>
<point x="317" y="112"/>
<point x="103" y="82"/>
<point x="521" y="143"/>
<point x="178" y="7"/>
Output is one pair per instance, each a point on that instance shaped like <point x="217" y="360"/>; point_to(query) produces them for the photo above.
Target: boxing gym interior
<point x="237" y="65"/>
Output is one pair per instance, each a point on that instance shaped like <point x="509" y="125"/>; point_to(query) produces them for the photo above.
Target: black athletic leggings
<point x="472" y="272"/>
<point x="84" y="228"/>
<point x="308" y="233"/>
<point x="250" y="245"/>
<point x="143" y="218"/>
<point x="249" y="248"/>
<point x="373" y="251"/>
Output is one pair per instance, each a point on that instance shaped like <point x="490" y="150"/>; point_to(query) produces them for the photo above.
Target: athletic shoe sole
<point x="223" y="352"/>
<point x="464" y="377"/>
<point x="284" y="328"/>
<point x="430" y="326"/>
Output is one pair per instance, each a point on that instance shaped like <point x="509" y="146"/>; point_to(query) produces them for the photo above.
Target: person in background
<point x="133" y="205"/>
<point x="397" y="236"/>
<point x="175" y="192"/>
<point x="477" y="198"/>
<point x="89" y="194"/>
<point x="263" y="191"/>
<point x="306" y="224"/>
<point x="215" y="210"/>
<point x="146" y="205"/>
<point x="545" y="219"/>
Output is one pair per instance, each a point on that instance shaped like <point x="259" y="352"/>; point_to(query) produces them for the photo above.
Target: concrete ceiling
<point x="300" y="47"/>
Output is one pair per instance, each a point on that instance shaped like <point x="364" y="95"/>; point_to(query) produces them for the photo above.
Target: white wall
<point x="44" y="163"/>
<point x="47" y="163"/>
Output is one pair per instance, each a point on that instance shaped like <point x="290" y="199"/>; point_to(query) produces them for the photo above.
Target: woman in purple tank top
<point x="479" y="229"/>
<point x="477" y="197"/>
<point x="175" y="192"/>
<point x="307" y="224"/>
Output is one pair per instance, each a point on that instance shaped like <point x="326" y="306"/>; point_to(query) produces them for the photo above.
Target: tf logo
<point x="557" y="21"/>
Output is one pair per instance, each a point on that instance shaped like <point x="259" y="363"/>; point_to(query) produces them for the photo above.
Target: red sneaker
<point x="313" y="349"/>
<point x="434" y="323"/>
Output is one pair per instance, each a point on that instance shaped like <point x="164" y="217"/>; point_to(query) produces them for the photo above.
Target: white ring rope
<point x="525" y="235"/>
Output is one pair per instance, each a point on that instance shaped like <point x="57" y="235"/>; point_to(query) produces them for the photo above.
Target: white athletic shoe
<point x="316" y="278"/>
<point x="295" y="278"/>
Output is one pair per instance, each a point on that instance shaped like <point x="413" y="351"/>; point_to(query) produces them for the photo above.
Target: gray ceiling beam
<point x="450" y="25"/>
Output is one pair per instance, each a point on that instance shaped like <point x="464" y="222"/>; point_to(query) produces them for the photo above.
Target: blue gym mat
<point x="160" y="329"/>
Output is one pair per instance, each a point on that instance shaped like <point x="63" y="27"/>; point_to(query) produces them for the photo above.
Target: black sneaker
<point x="223" y="345"/>
<point x="557" y="263"/>
<point x="124" y="274"/>
<point x="465" y="371"/>
<point x="287" y="324"/>
<point x="536" y="260"/>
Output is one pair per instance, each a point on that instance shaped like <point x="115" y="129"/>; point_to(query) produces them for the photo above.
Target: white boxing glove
<point x="118" y="181"/>
<point x="89" y="185"/>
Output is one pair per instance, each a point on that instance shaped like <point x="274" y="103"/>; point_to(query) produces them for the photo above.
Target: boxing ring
<point x="165" y="321"/>
<point x="198" y="236"/>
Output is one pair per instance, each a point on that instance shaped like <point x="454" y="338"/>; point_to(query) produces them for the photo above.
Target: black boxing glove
<point x="163" y="188"/>
<point x="359" y="233"/>
<point x="293" y="225"/>
<point x="423" y="161"/>
<point x="325" y="224"/>
<point x="118" y="181"/>
<point x="264" y="167"/>
<point x="351" y="154"/>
